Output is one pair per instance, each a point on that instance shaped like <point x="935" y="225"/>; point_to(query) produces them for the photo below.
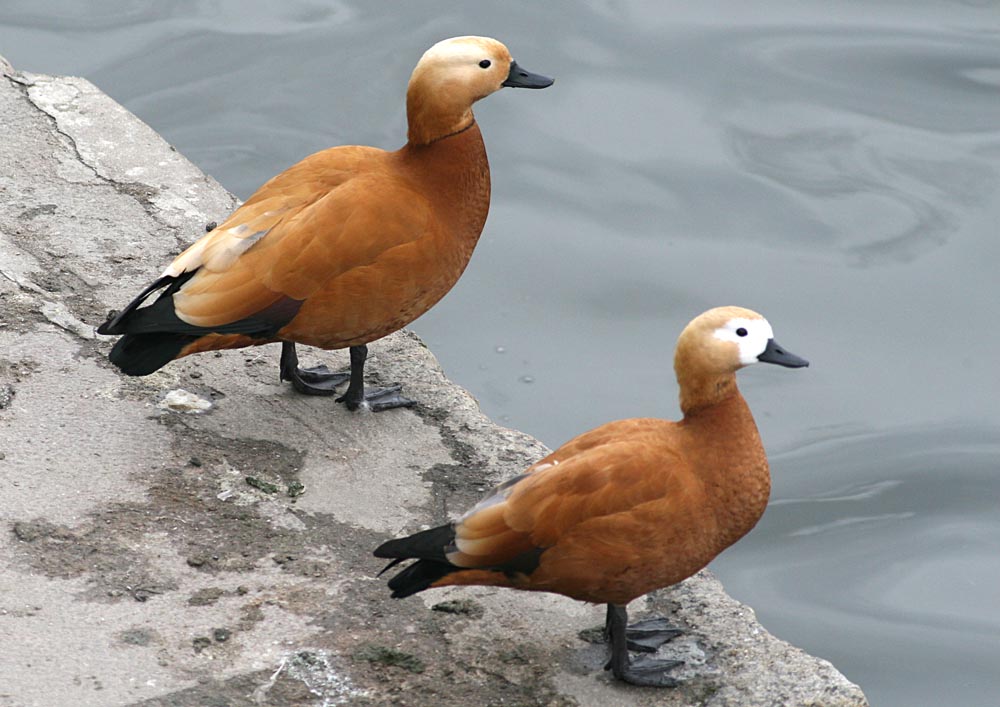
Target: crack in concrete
<point x="25" y="89"/>
<point x="58" y="312"/>
<point x="142" y="193"/>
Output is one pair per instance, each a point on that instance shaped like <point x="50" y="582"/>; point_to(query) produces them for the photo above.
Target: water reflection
<point x="924" y="80"/>
<point x="880" y="196"/>
<point x="879" y="542"/>
<point x="862" y="131"/>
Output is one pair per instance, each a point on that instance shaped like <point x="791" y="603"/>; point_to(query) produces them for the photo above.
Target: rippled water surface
<point x="832" y="164"/>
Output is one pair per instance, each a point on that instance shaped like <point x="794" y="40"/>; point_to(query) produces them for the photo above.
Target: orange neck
<point x="434" y="114"/>
<point x="454" y="173"/>
<point x="732" y="461"/>
<point x="705" y="390"/>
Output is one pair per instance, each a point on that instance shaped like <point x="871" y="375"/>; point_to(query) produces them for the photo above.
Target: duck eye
<point x="741" y="332"/>
<point x="485" y="63"/>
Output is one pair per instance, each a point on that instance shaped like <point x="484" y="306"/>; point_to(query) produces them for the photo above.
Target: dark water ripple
<point x="861" y="126"/>
<point x="886" y="544"/>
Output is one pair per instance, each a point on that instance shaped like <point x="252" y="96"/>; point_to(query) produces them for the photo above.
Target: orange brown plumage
<point x="350" y="244"/>
<point x="626" y="508"/>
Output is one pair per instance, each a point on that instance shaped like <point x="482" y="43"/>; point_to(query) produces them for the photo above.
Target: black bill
<point x="519" y="78"/>
<point x="775" y="354"/>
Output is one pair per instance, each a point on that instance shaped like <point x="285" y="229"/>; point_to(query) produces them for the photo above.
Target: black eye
<point x="485" y="63"/>
<point x="741" y="332"/>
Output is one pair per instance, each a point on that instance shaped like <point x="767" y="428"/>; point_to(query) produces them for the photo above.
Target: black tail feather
<point x="141" y="354"/>
<point x="390" y="566"/>
<point x="117" y="322"/>
<point x="154" y="335"/>
<point x="428" y="547"/>
<point x="418" y="577"/>
<point x="143" y="350"/>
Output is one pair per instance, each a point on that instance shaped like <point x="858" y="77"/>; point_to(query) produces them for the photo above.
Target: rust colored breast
<point x="717" y="494"/>
<point x="454" y="174"/>
<point x="369" y="302"/>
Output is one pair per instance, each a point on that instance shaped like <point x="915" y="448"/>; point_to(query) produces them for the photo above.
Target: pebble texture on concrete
<point x="203" y="535"/>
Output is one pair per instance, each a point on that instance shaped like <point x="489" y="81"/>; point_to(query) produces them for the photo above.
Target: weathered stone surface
<point x="213" y="547"/>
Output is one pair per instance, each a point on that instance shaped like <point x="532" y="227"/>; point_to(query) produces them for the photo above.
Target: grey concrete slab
<point x="139" y="566"/>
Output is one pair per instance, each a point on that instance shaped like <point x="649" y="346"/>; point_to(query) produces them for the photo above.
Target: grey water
<point x="833" y="165"/>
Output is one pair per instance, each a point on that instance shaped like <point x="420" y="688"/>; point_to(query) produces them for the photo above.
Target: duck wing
<point x="330" y="214"/>
<point x="616" y="469"/>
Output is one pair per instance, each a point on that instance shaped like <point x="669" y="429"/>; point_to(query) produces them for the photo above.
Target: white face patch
<point x="750" y="335"/>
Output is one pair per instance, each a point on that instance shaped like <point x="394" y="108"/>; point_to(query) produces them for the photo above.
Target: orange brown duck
<point x="629" y="507"/>
<point x="345" y="247"/>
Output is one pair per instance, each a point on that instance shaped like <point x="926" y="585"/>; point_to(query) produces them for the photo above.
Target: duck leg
<point x="644" y="670"/>
<point x="310" y="381"/>
<point x="643" y="636"/>
<point x="377" y="399"/>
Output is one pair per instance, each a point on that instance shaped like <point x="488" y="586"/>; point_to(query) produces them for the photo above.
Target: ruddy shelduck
<point x="629" y="507"/>
<point x="345" y="247"/>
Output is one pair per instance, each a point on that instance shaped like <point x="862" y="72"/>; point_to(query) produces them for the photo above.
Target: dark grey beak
<point x="775" y="354"/>
<point x="519" y="78"/>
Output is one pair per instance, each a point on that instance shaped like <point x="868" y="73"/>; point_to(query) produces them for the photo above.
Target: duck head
<point x="454" y="74"/>
<point x="716" y="344"/>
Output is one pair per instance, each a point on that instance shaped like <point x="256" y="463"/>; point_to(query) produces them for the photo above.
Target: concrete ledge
<point x="163" y="548"/>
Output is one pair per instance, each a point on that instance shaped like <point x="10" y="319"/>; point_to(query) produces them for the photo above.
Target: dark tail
<point x="428" y="548"/>
<point x="154" y="335"/>
<point x="418" y="577"/>
<point x="148" y="343"/>
<point x="141" y="354"/>
<point x="118" y="322"/>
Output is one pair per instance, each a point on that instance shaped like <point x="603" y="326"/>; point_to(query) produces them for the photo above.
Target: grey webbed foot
<point x="649" y="634"/>
<point x="644" y="636"/>
<point x="377" y="399"/>
<point x="319" y="380"/>
<point x="648" y="672"/>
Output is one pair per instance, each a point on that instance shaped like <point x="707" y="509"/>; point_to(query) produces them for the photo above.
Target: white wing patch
<point x="218" y="250"/>
<point x="502" y="491"/>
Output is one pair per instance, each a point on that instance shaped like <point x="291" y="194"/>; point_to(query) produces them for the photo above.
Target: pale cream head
<point x="722" y="340"/>
<point x="457" y="65"/>
<point x="448" y="79"/>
